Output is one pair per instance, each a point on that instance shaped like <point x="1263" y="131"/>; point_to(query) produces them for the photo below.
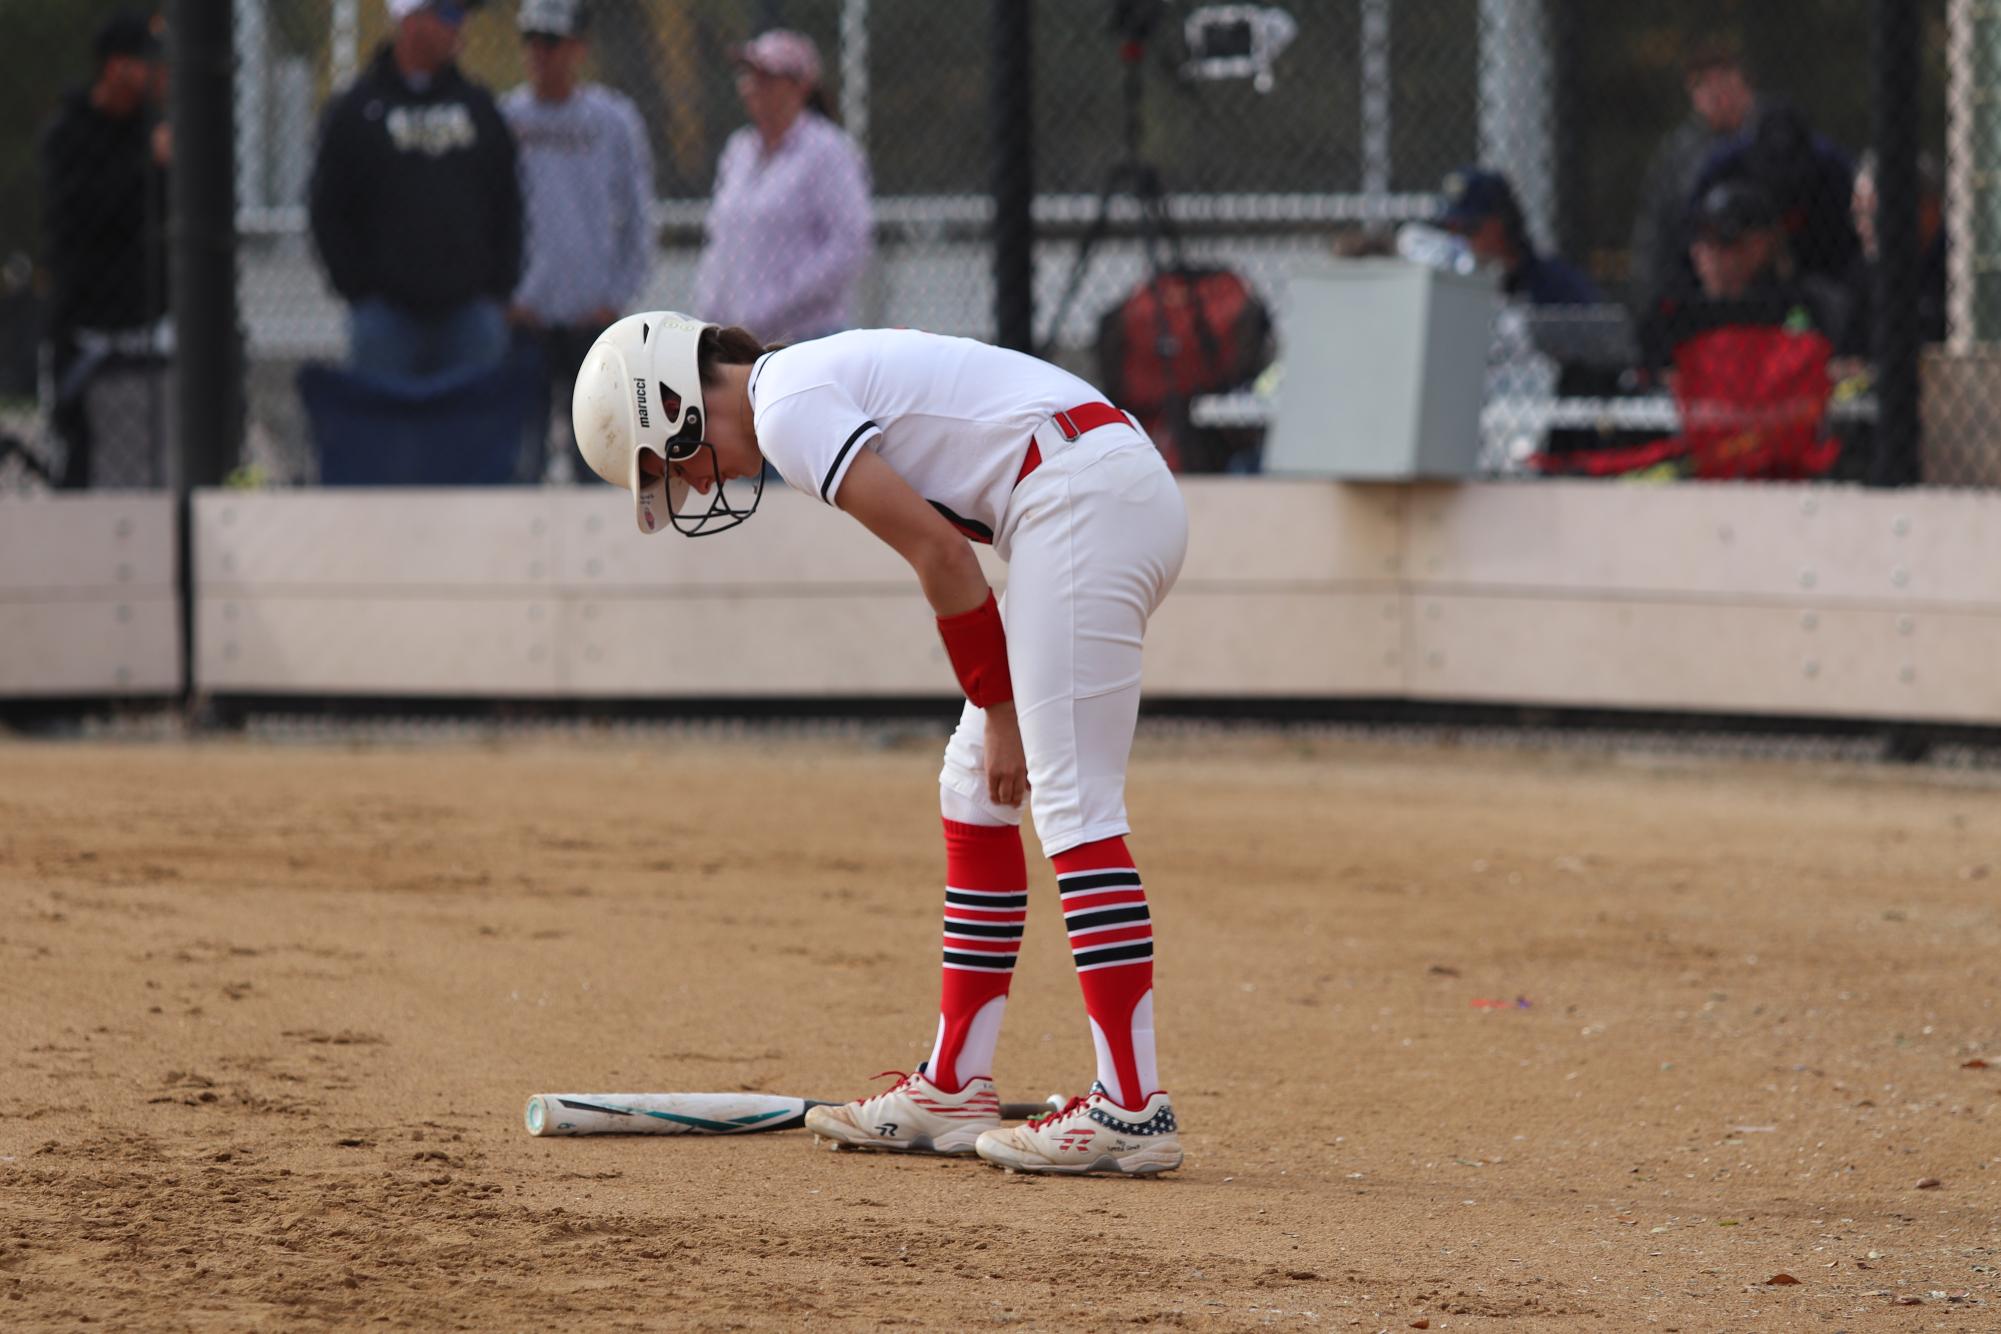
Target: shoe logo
<point x="1070" y="1141"/>
<point x="886" y="1129"/>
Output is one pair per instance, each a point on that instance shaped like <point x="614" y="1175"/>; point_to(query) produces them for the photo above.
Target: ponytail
<point x="728" y="346"/>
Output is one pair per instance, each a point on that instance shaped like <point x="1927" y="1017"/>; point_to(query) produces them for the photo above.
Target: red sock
<point x="1111" y="938"/>
<point x="986" y="903"/>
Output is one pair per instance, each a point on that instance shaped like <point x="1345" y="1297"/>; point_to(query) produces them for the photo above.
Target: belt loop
<point x="1065" y="425"/>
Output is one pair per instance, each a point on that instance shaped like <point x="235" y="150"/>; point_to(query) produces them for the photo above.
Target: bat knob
<point x="1054" y="1102"/>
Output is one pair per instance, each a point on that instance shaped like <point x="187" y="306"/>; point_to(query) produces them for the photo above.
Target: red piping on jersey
<point x="1072" y="422"/>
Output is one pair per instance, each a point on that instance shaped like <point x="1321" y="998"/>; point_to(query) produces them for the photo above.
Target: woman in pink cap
<point x="788" y="231"/>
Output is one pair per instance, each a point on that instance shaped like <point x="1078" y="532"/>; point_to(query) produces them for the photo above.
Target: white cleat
<point x="1090" y="1134"/>
<point x="915" y="1116"/>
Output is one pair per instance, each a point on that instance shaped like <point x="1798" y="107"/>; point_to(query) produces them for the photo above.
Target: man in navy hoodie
<point x="416" y="208"/>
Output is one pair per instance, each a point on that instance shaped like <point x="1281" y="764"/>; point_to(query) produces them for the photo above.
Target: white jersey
<point x="952" y="417"/>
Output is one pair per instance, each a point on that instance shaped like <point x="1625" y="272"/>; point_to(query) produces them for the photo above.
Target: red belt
<point x="1073" y="422"/>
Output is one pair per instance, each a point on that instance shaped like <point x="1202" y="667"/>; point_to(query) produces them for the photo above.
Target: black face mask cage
<point x="721" y="515"/>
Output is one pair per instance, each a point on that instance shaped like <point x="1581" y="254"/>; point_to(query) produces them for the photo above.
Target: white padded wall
<point x="88" y="600"/>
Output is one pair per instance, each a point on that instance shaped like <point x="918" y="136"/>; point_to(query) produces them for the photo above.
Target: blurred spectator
<point x="1749" y="349"/>
<point x="789" y="227"/>
<point x="415" y="204"/>
<point x="1809" y="178"/>
<point x="1927" y="304"/>
<point x="1721" y="101"/>
<point x="1480" y="206"/>
<point x="104" y="160"/>
<point x="587" y="182"/>
<point x="1744" y="272"/>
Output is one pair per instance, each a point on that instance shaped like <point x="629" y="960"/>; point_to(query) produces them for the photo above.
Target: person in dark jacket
<point x="1810" y="179"/>
<point x="416" y="208"/>
<point x="1721" y="102"/>
<point x="1481" y="206"/>
<point x="104" y="158"/>
<point x="1743" y="276"/>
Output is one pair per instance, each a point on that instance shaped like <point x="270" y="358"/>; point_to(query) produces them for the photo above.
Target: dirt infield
<point x="1478" y="1039"/>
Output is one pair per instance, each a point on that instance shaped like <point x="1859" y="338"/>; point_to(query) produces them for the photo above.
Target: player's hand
<point x="1007" y="762"/>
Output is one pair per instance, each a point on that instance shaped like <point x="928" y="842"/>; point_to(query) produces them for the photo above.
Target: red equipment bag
<point x="1753" y="401"/>
<point x="1225" y="349"/>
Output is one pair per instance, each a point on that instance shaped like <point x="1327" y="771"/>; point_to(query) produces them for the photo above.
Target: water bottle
<point x="1434" y="247"/>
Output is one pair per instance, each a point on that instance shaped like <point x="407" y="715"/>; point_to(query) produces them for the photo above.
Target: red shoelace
<point x="1066" y="1109"/>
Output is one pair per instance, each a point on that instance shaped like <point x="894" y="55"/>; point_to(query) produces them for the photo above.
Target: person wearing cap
<point x="1721" y="101"/>
<point x="1745" y="345"/>
<point x="1740" y="271"/>
<point x="415" y="203"/>
<point x="587" y="184"/>
<point x="1809" y="177"/>
<point x="789" y="230"/>
<point x="1481" y="207"/>
<point x="103" y="158"/>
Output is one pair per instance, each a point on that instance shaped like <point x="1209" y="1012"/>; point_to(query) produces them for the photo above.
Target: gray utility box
<point x="1385" y="371"/>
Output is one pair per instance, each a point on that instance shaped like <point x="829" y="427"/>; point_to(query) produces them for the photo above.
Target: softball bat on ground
<point x="687" y="1113"/>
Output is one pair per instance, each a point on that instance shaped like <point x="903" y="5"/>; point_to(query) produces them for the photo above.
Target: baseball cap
<point x="126" y="33"/>
<point x="1729" y="209"/>
<point x="783" y="52"/>
<point x="1474" y="194"/>
<point x="452" y="12"/>
<point x="553" y="18"/>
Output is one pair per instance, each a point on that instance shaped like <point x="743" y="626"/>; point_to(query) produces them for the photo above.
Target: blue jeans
<point x="386" y="339"/>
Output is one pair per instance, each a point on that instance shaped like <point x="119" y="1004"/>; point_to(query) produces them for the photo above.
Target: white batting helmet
<point x="640" y="391"/>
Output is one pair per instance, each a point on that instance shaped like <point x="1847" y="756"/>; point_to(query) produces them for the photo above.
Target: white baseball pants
<point x="1094" y="540"/>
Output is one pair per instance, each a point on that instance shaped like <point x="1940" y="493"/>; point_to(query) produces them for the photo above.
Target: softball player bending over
<point x="932" y="443"/>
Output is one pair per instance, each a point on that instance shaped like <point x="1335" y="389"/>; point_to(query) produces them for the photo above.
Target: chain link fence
<point x="1677" y="201"/>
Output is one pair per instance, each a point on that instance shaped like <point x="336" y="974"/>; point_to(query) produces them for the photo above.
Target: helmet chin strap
<point x="720" y="516"/>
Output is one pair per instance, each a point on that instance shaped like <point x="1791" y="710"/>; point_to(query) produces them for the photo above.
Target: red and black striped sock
<point x="986" y="905"/>
<point x="1111" y="938"/>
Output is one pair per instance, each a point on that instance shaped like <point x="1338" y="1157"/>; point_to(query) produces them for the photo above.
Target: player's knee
<point x="961" y="806"/>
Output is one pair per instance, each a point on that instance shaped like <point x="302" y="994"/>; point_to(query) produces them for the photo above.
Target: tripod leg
<point x="1093" y="234"/>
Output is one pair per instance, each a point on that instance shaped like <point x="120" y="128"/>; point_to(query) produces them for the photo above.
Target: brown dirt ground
<point x="270" y="1014"/>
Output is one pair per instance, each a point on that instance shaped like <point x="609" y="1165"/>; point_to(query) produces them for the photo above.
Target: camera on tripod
<point x="1224" y="41"/>
<point x="1237" y="42"/>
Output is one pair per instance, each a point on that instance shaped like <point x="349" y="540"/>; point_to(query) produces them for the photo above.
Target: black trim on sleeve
<point x="841" y="458"/>
<point x="978" y="532"/>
